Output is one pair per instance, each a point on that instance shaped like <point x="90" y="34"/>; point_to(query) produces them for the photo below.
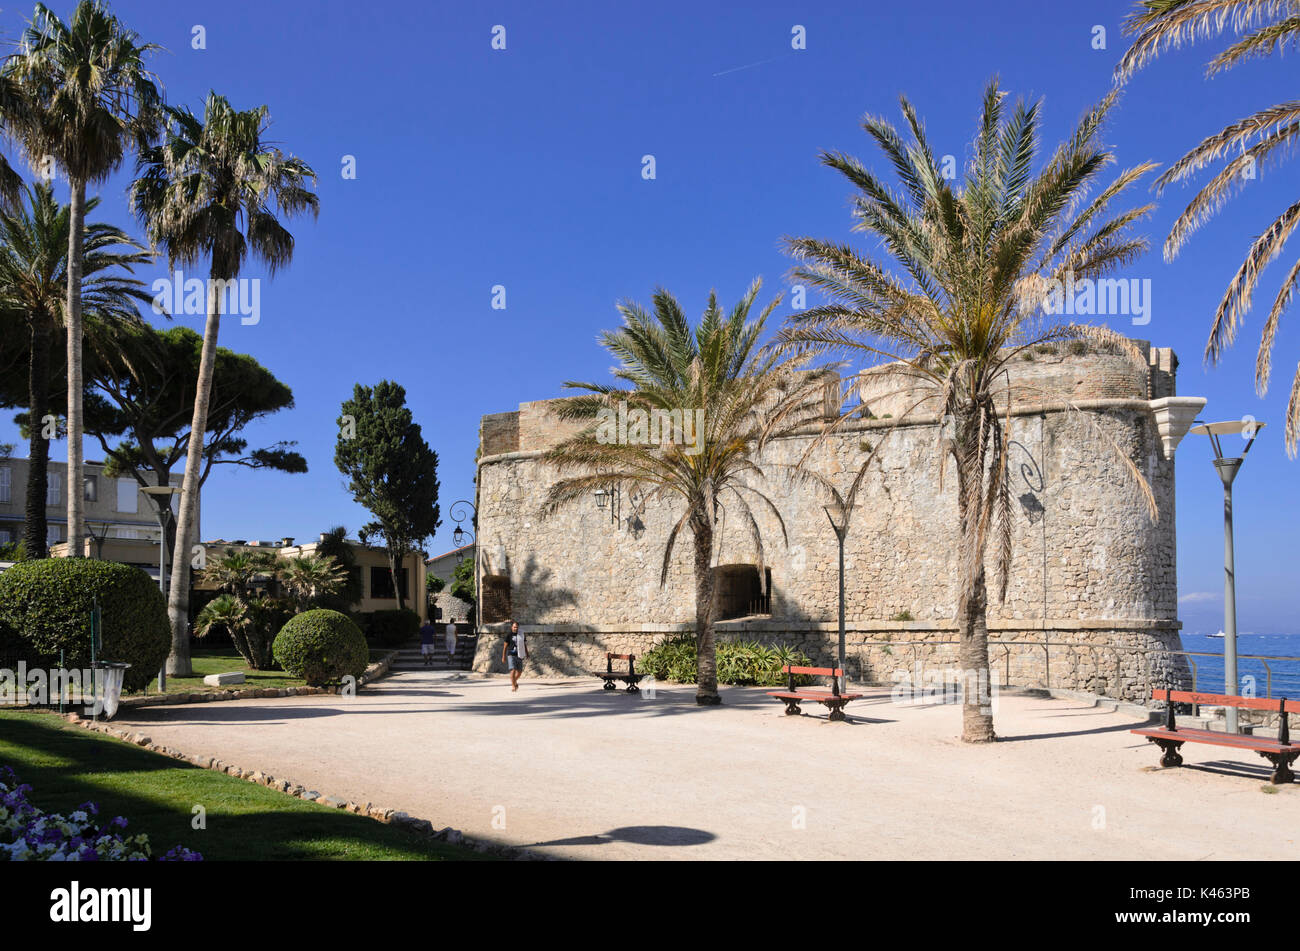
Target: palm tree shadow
<point x="637" y="835"/>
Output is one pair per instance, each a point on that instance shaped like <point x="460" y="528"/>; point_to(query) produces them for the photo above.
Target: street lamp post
<point x="841" y="529"/>
<point x="156" y="492"/>
<point x="1227" y="469"/>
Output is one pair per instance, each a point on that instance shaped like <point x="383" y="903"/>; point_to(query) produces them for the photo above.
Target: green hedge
<point x="393" y="627"/>
<point x="747" y="663"/>
<point x="321" y="647"/>
<point x="47" y="604"/>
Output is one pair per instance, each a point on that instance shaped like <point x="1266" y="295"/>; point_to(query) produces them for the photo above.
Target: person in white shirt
<point x="513" y="652"/>
<point x="451" y="637"/>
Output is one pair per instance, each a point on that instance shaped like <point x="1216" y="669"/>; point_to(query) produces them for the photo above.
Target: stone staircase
<point x="409" y="657"/>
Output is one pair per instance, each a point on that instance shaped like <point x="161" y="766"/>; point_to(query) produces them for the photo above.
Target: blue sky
<point x="522" y="168"/>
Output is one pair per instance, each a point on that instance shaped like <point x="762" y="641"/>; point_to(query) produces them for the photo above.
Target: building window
<point x="53" y="488"/>
<point x="128" y="493"/>
<point x="6" y="478"/>
<point x="52" y="535"/>
<point x="92" y="488"/>
<point x="5" y="537"/>
<point x="381" y="584"/>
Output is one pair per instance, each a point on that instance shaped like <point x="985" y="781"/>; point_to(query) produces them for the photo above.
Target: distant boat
<point x="1220" y="634"/>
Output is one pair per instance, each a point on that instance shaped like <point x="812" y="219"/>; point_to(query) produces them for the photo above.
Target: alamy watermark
<point x="40" y="687"/>
<point x="935" y="685"/>
<point x="639" y="427"/>
<point x="181" y="295"/>
<point x="1114" y="297"/>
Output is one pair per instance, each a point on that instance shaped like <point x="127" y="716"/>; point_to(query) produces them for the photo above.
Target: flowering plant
<point x="28" y="834"/>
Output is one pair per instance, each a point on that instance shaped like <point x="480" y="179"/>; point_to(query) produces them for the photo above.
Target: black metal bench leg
<point x="1170" y="749"/>
<point x="1282" y="773"/>
<point x="609" y="685"/>
<point x="632" y="687"/>
<point x="792" y="708"/>
<point x="837" y="712"/>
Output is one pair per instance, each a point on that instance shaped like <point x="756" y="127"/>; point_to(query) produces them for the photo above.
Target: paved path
<point x="578" y="772"/>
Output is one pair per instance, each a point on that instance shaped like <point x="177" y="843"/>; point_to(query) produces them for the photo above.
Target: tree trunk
<point x="392" y="570"/>
<point x="972" y="614"/>
<point x="35" y="528"/>
<point x="75" y="487"/>
<point x="706" y="661"/>
<point x="178" y="600"/>
<point x="976" y="708"/>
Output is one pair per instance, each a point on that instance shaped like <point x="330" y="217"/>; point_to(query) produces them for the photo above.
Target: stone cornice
<point x="929" y="419"/>
<point x="1026" y="626"/>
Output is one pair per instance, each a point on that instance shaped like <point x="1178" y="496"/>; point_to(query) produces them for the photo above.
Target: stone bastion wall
<point x="1092" y="597"/>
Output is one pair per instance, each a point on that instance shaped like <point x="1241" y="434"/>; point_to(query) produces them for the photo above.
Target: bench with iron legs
<point x="1281" y="752"/>
<point x="630" y="677"/>
<point x="832" y="699"/>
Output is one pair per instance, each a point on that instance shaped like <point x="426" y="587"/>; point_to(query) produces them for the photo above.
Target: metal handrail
<point x="1117" y="648"/>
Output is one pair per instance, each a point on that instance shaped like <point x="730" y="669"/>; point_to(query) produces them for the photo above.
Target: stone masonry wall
<point x="1089" y="565"/>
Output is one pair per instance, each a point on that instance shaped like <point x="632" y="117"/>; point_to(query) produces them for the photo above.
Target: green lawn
<point x="225" y="660"/>
<point x="67" y="765"/>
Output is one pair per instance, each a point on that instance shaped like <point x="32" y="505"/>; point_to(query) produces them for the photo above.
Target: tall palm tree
<point x="1242" y="147"/>
<point x="33" y="286"/>
<point x="972" y="268"/>
<point x="88" y="100"/>
<point x="213" y="188"/>
<point x="747" y="397"/>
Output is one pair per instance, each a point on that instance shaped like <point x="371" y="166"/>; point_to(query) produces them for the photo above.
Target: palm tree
<point x="1242" y="147"/>
<point x="248" y="614"/>
<point x="746" y="397"/>
<point x="88" y="99"/>
<point x="213" y="188"/>
<point x="308" y="578"/>
<point x="33" y="286"/>
<point x="226" y="613"/>
<point x="974" y="265"/>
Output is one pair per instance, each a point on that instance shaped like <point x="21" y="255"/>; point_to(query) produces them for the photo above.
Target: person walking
<point x="451" y="639"/>
<point x="427" y="632"/>
<point x="514" y="650"/>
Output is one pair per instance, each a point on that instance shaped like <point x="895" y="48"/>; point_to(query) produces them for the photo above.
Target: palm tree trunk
<point x="75" y="488"/>
<point x="972" y="614"/>
<point x="706" y="661"/>
<point x="35" y="528"/>
<point x="976" y="708"/>
<point x="178" y="600"/>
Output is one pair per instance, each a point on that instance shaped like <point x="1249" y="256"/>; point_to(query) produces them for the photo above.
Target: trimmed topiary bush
<point x="393" y="628"/>
<point x="321" y="647"/>
<point x="47" y="604"/>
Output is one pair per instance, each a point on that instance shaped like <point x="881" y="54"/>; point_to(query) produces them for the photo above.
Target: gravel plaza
<point x="571" y="771"/>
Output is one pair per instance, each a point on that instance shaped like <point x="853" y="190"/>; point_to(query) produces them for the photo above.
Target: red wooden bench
<point x="1281" y="752"/>
<point x="832" y="699"/>
<point x="609" y="674"/>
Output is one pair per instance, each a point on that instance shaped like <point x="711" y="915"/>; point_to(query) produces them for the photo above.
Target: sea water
<point x="1286" y="673"/>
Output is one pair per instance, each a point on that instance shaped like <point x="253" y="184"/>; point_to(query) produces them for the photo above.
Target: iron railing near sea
<point x="1047" y="647"/>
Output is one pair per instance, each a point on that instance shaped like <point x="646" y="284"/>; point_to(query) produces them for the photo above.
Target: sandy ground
<point x="577" y="772"/>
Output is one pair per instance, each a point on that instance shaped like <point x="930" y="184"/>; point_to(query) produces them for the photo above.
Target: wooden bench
<point x="832" y="699"/>
<point x="1281" y="752"/>
<point x="609" y="674"/>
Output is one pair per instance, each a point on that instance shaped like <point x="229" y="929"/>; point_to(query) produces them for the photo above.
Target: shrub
<point x="48" y="603"/>
<point x="745" y="663"/>
<point x="393" y="627"/>
<point x="321" y="647"/>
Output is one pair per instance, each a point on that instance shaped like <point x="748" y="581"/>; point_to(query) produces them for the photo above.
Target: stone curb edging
<point x="421" y="827"/>
<point x="373" y="672"/>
